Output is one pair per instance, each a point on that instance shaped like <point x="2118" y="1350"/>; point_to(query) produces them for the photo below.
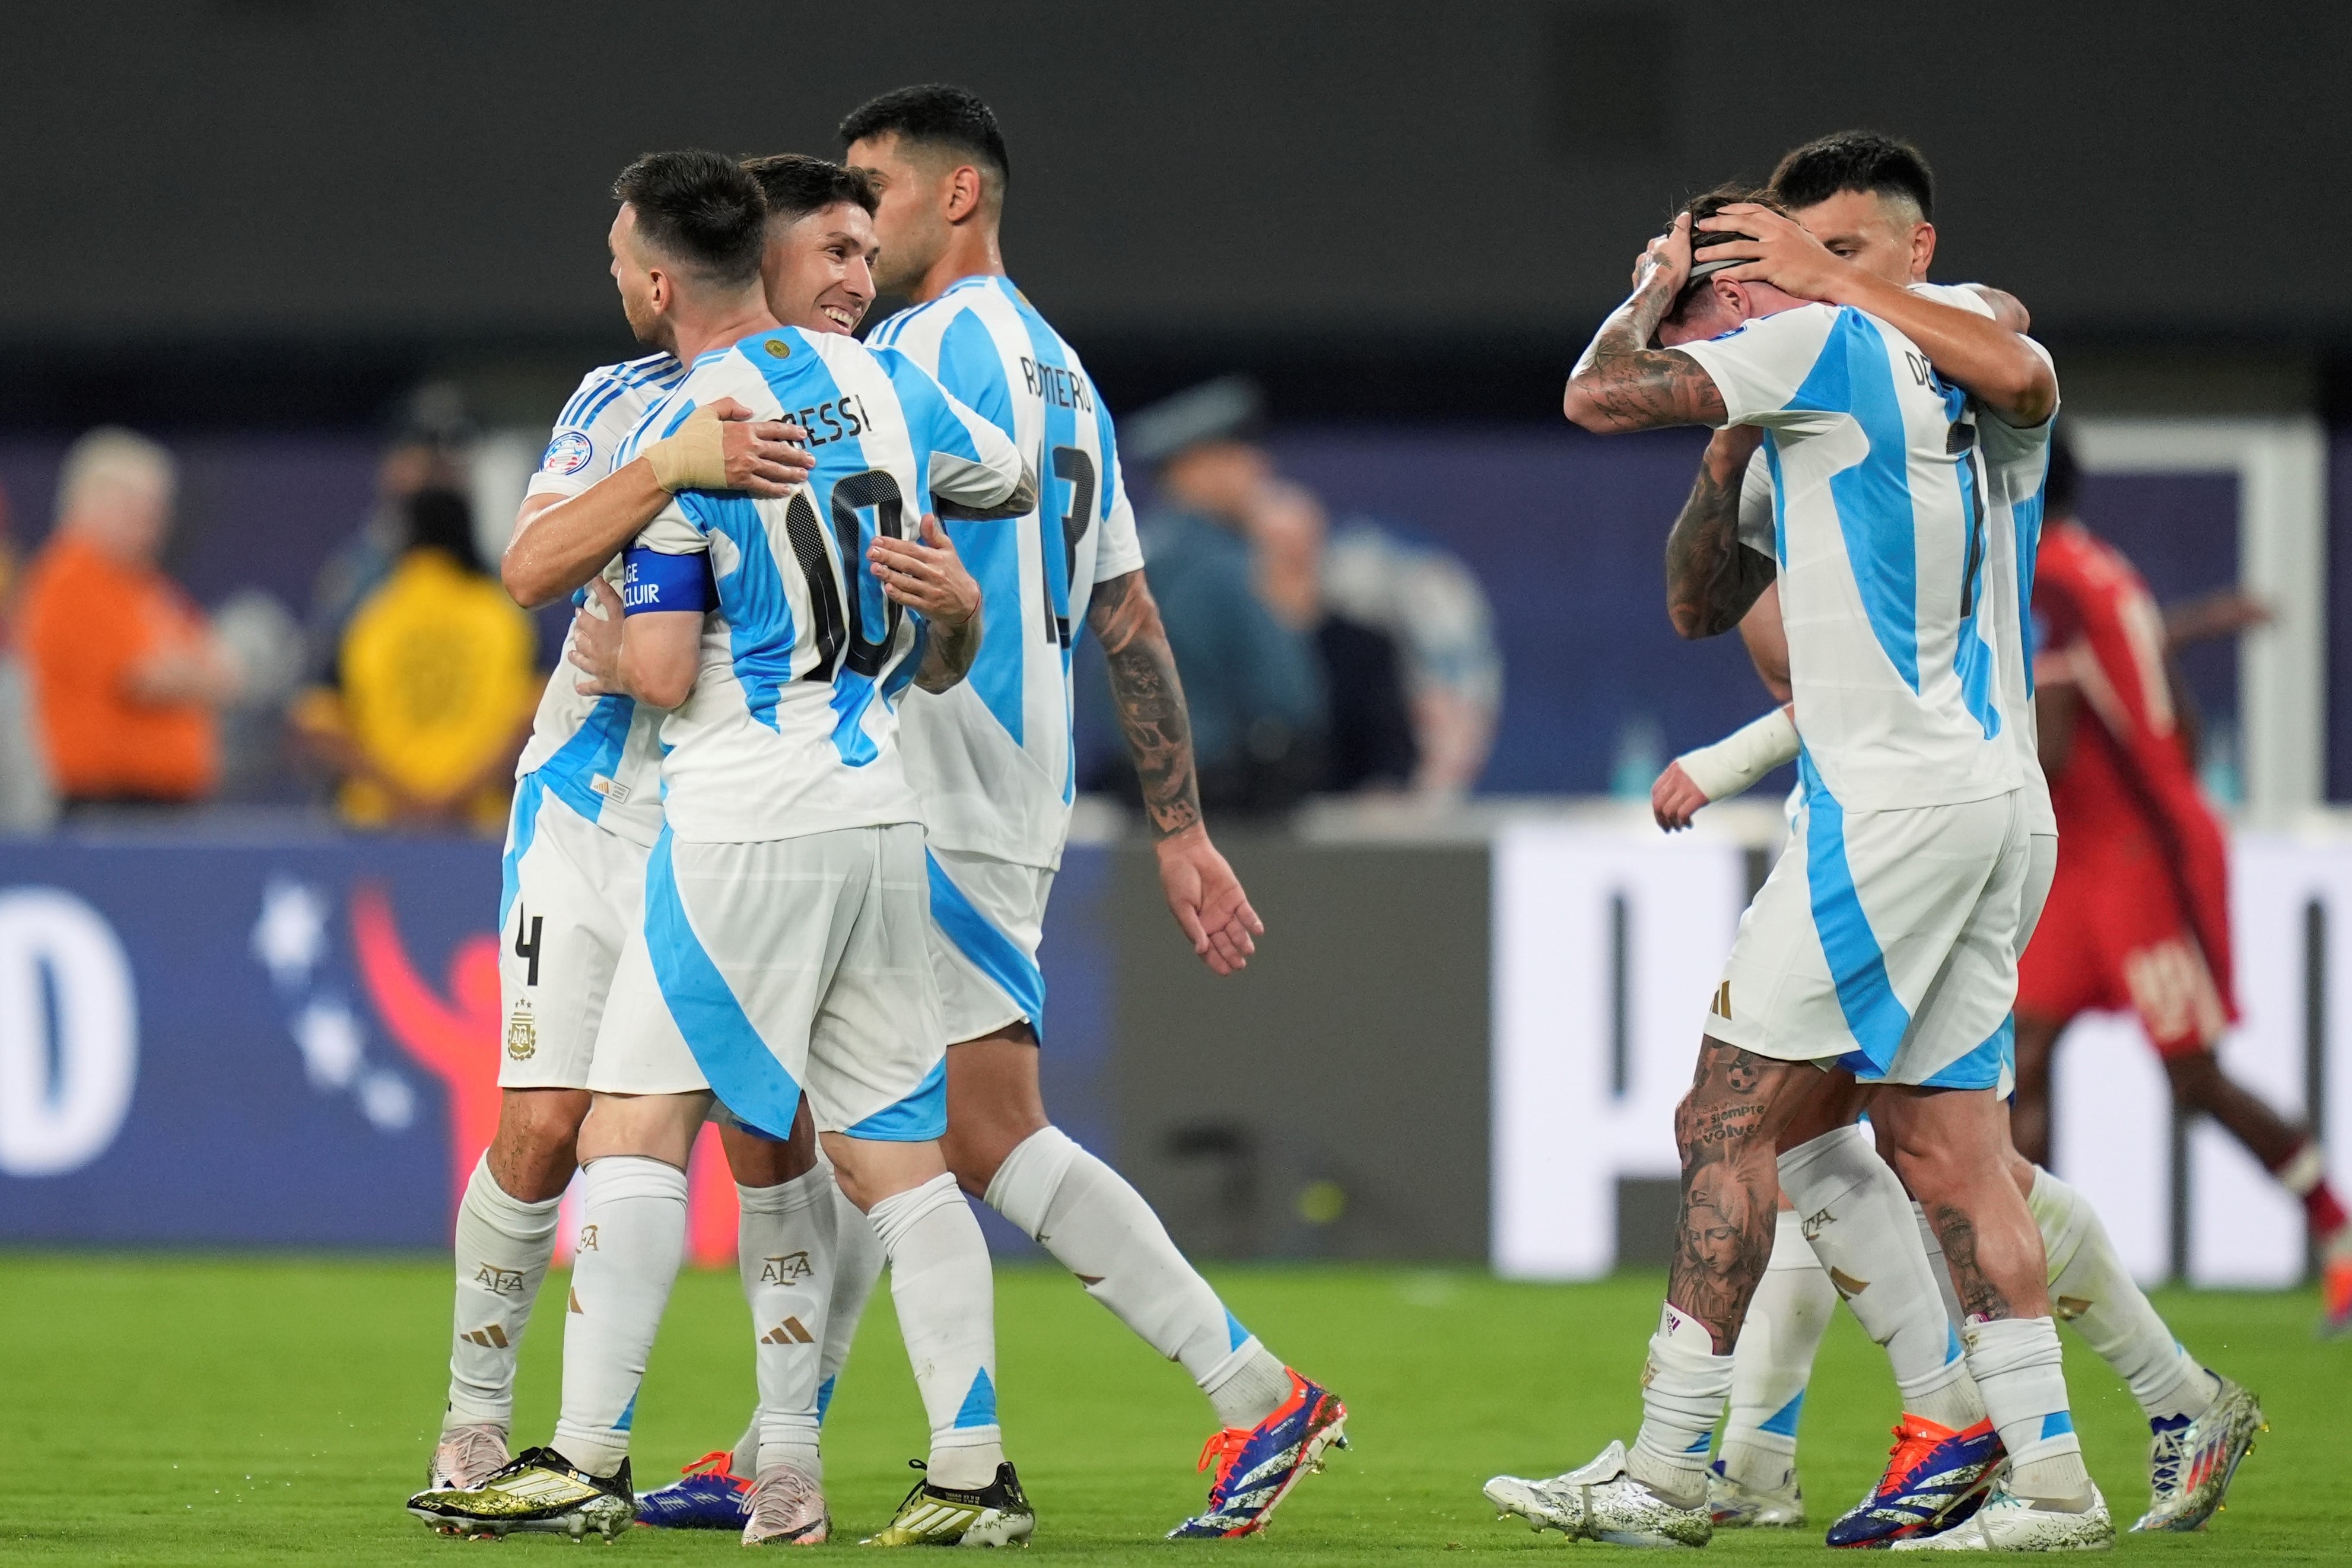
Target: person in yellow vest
<point x="436" y="681"/>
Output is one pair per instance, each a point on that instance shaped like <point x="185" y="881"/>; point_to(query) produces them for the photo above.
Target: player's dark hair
<point x="1705" y="206"/>
<point x="934" y="115"/>
<point x="796" y="185"/>
<point x="2062" y="490"/>
<point x="1861" y="161"/>
<point x="698" y="208"/>
<point x="442" y="521"/>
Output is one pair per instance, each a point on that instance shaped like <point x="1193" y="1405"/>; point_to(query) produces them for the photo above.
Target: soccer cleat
<point x="707" y="1495"/>
<point x="2335" y="1296"/>
<point x="540" y="1491"/>
<point x="1935" y="1477"/>
<point x="2191" y="1460"/>
<point x="1258" y="1466"/>
<point x="2008" y="1522"/>
<point x="997" y="1515"/>
<point x="1602" y="1502"/>
<point x="466" y="1456"/>
<point x="1734" y="1505"/>
<point x="787" y="1510"/>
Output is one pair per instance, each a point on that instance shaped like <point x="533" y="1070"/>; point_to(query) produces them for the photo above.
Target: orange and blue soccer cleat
<point x="707" y="1495"/>
<point x="1258" y="1466"/>
<point x="1935" y="1478"/>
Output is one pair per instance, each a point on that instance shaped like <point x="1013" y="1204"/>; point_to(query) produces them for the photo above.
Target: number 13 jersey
<point x="791" y="726"/>
<point x="992" y="759"/>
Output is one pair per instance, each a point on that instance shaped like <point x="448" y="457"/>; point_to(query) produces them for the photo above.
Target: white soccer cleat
<point x="466" y="1456"/>
<point x="1602" y="1502"/>
<point x="2008" y="1522"/>
<point x="787" y="1510"/>
<point x="1736" y="1506"/>
<point x="2189" y="1466"/>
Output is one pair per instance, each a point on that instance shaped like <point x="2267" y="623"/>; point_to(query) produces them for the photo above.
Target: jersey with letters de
<point x="792" y="727"/>
<point x="994" y="757"/>
<point x="600" y="755"/>
<point x="1879" y="536"/>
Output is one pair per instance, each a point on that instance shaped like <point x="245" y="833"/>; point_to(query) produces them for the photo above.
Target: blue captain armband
<point x="651" y="581"/>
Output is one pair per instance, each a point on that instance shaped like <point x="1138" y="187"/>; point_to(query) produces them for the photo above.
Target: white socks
<point x="1860" y="1220"/>
<point x="503" y="1248"/>
<point x="785" y="1251"/>
<point x="2090" y="1287"/>
<point x="1774" y="1359"/>
<point x="2017" y="1365"/>
<point x="857" y="1268"/>
<point x="632" y="1240"/>
<point x="1682" y="1392"/>
<point x="1101" y="1230"/>
<point x="947" y="1311"/>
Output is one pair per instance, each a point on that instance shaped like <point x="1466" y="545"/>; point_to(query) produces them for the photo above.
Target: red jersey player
<point x="2138" y="913"/>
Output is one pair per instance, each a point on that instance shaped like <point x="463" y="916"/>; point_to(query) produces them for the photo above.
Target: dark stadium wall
<point x="1332" y="1100"/>
<point x="319" y="169"/>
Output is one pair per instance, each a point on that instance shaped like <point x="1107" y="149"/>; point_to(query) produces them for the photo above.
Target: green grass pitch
<point x="213" y="1410"/>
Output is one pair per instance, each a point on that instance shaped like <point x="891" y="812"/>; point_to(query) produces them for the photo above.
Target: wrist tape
<point x="695" y="458"/>
<point x="1741" y="757"/>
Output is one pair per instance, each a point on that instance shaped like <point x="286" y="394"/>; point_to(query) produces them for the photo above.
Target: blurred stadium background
<point x="330" y="255"/>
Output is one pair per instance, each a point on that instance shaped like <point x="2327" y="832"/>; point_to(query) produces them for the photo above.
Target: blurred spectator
<point x="1369" y="741"/>
<point x="427" y="455"/>
<point x="434" y="685"/>
<point x="1253" y="684"/>
<point x="28" y="803"/>
<point x="1385" y="576"/>
<point x="125" y="672"/>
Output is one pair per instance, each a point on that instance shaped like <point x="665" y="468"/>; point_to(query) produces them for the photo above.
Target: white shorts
<point x="571" y="894"/>
<point x="763" y="969"/>
<point x="1886" y="942"/>
<point x="987" y="917"/>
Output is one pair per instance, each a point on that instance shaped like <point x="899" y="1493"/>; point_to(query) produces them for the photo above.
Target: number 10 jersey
<point x="791" y="726"/>
<point x="992" y="759"/>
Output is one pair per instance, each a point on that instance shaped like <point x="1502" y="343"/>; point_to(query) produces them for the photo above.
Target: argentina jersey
<point x="992" y="759"/>
<point x="791" y="726"/>
<point x="1879" y="498"/>
<point x="598" y="754"/>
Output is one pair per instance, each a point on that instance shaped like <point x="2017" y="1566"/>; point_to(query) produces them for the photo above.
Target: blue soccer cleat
<point x="705" y="1496"/>
<point x="1258" y="1466"/>
<point x="1935" y="1478"/>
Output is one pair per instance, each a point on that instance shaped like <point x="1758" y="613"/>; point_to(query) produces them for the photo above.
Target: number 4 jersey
<point x="791" y="726"/>
<point x="992" y="759"/>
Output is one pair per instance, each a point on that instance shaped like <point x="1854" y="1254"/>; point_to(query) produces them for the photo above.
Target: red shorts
<point x="2116" y="937"/>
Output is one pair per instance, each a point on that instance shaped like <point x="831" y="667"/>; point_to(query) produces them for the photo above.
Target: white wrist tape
<point x="1741" y="757"/>
<point x="693" y="458"/>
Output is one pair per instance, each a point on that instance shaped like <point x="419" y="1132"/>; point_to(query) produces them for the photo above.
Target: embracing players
<point x="1885" y="940"/>
<point x="991" y="761"/>
<point x="784" y="901"/>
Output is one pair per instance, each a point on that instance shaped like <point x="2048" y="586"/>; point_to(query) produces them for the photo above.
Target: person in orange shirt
<point x="126" y="673"/>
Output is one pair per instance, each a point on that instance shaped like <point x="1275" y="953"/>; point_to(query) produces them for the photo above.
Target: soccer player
<point x="1888" y="941"/>
<point x="788" y="830"/>
<point x="587" y="811"/>
<point x="993" y="760"/>
<point x="2138" y="915"/>
<point x="1867" y="199"/>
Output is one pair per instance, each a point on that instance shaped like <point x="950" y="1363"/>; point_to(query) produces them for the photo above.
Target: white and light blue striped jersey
<point x="1879" y="535"/>
<point x="792" y="727"/>
<point x="599" y="754"/>
<point x="992" y="759"/>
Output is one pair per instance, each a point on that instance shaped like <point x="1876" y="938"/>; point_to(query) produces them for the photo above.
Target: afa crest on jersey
<point x="568" y="454"/>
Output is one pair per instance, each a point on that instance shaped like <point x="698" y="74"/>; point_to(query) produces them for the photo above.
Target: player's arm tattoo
<point x="1979" y="1297"/>
<point x="1150" y="699"/>
<point x="1623" y="383"/>
<point x="948" y="653"/>
<point x="1730" y="1189"/>
<point x="1712" y="579"/>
